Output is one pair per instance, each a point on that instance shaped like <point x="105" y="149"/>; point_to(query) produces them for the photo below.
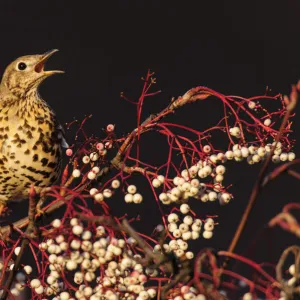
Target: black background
<point x="234" y="47"/>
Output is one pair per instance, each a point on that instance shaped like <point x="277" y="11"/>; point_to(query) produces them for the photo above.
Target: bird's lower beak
<point x="39" y="68"/>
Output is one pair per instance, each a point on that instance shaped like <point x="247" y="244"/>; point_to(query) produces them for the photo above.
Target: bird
<point x="31" y="138"/>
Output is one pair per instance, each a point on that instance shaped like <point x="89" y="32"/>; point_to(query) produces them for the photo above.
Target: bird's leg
<point x="3" y="202"/>
<point x="2" y="208"/>
<point x="41" y="201"/>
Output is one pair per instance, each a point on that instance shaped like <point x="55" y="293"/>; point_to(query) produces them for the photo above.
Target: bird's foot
<point x="39" y="210"/>
<point x="3" y="208"/>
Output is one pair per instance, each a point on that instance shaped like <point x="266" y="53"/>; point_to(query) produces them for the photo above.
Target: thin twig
<point x="258" y="185"/>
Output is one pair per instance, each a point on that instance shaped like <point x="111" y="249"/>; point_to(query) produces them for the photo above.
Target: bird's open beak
<point x="41" y="64"/>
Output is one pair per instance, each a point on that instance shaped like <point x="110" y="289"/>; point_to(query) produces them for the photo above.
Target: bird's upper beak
<point x="41" y="64"/>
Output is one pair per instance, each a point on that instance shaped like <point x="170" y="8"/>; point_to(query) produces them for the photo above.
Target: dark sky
<point x="234" y="47"/>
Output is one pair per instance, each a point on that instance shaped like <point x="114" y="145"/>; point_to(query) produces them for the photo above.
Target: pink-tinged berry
<point x="69" y="152"/>
<point x="110" y="127"/>
<point x="100" y="146"/>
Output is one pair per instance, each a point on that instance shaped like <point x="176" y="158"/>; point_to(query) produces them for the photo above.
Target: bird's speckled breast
<point x="30" y="151"/>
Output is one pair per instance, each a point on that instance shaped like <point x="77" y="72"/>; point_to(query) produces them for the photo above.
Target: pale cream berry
<point x="276" y="158"/>
<point x="220" y="169"/>
<point x="71" y="265"/>
<point x="52" y="248"/>
<point x="251" y="104"/>
<point x="177" y="233"/>
<point x="173" y="218"/>
<point x="292" y="269"/>
<point x="235" y="131"/>
<point x="189" y="255"/>
<point x="87" y="291"/>
<point x="193" y="191"/>
<point x="115" y="184"/>
<point x="151" y="292"/>
<point x="212" y="196"/>
<point x="85" y="159"/>
<point x="229" y="154"/>
<point x="128" y="198"/>
<point x="15" y="292"/>
<point x="89" y="276"/>
<point x="172" y="197"/>
<point x="277" y="151"/>
<point x="56" y="223"/>
<point x="237" y="153"/>
<point x="156" y="183"/>
<point x="207" y="170"/>
<point x="225" y="197"/>
<point x="283" y="156"/>
<point x="51" y="279"/>
<point x="172" y="227"/>
<point x="93" y="191"/>
<point x="99" y="197"/>
<point x="291" y="156"/>
<point x="176" y="180"/>
<point x="74" y="221"/>
<point x="117" y="251"/>
<point x="187" y="235"/>
<point x="184" y="208"/>
<point x="94" y="156"/>
<point x="17" y="250"/>
<point x="183" y="245"/>
<point x="183" y="227"/>
<point x="206" y="149"/>
<point x="52" y="258"/>
<point x="196" y="227"/>
<point x="107" y="193"/>
<point x="247" y="296"/>
<point x="188" y="220"/>
<point x="86" y="235"/>
<point x="91" y="175"/>
<point x="207" y="234"/>
<point x="245" y="152"/>
<point x="27" y="269"/>
<point x="195" y="235"/>
<point x="261" y="151"/>
<point x="76" y="173"/>
<point x="96" y="170"/>
<point x="204" y="198"/>
<point x="219" y="178"/>
<point x="161" y="178"/>
<point x="137" y="198"/>
<point x="64" y="296"/>
<point x="39" y="290"/>
<point x="195" y="183"/>
<point x="213" y="158"/>
<point x="131" y="189"/>
<point x="35" y="283"/>
<point x="181" y="181"/>
<point x="64" y="246"/>
<point x="267" y="122"/>
<point x="208" y="226"/>
<point x="144" y="295"/>
<point x="185" y="173"/>
<point x="77" y="229"/>
<point x="163" y="197"/>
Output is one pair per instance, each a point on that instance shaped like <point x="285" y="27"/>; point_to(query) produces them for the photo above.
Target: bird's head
<point x="26" y="73"/>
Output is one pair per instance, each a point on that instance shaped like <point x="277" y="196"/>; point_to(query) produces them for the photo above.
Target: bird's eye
<point x="22" y="66"/>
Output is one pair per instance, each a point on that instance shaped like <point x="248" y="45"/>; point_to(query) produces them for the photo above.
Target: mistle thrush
<point x="31" y="138"/>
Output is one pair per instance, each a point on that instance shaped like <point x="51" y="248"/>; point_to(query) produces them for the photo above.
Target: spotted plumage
<point x="31" y="138"/>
